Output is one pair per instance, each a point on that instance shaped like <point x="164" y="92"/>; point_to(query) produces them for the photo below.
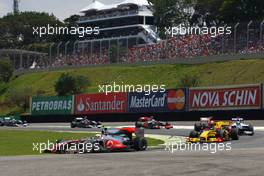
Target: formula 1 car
<point x="110" y="140"/>
<point x="151" y="123"/>
<point x="83" y="122"/>
<point x="1" y="122"/>
<point x="243" y="128"/>
<point x="218" y="131"/>
<point x="12" y="122"/>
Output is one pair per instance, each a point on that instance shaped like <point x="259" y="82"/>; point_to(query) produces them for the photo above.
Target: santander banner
<point x="225" y="98"/>
<point x="100" y="103"/>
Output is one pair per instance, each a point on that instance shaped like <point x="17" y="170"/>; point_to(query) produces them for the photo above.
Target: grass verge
<point x="211" y="74"/>
<point x="19" y="142"/>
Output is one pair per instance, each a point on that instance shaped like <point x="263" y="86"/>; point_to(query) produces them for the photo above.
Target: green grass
<point x="154" y="142"/>
<point x="212" y="74"/>
<point x="20" y="142"/>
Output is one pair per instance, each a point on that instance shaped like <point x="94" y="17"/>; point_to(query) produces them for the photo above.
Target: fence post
<point x="66" y="48"/>
<point x="235" y="37"/>
<point x="118" y="50"/>
<point x="100" y="49"/>
<point x="223" y="41"/>
<point x="50" y="50"/>
<point x="109" y="51"/>
<point x="83" y="44"/>
<point x="248" y="26"/>
<point x="74" y="46"/>
<point x="58" y="49"/>
<point x="261" y="32"/>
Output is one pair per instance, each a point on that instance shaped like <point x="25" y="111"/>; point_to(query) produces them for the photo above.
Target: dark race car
<point x="243" y="128"/>
<point x="83" y="122"/>
<point x="110" y="140"/>
<point x="151" y="123"/>
<point x="1" y="122"/>
<point x="12" y="122"/>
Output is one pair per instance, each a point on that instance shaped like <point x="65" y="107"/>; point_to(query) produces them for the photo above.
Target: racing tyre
<point x="220" y="133"/>
<point x="140" y="144"/>
<point x="197" y="126"/>
<point x="194" y="134"/>
<point x="138" y="125"/>
<point x="234" y="134"/>
<point x="251" y="128"/>
<point x="73" y="126"/>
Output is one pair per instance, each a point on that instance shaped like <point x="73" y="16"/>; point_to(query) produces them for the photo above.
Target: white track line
<point x="174" y="127"/>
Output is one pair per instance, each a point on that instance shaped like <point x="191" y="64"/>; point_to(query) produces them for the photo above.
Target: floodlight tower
<point x="15" y="6"/>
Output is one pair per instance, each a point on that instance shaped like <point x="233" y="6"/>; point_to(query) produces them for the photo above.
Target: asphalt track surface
<point x="245" y="158"/>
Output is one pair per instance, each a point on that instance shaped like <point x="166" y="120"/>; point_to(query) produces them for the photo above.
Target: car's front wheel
<point x="140" y="144"/>
<point x="194" y="134"/>
<point x="234" y="134"/>
<point x="251" y="128"/>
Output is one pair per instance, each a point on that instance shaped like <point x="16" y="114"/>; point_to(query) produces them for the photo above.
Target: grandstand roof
<point x="137" y="2"/>
<point x="96" y="5"/>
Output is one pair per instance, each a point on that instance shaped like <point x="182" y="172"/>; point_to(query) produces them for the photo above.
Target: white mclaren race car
<point x="243" y="128"/>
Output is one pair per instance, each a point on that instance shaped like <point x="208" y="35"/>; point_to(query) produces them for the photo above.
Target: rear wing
<point x="221" y="123"/>
<point x="206" y="118"/>
<point x="139" y="132"/>
<point x="237" y="119"/>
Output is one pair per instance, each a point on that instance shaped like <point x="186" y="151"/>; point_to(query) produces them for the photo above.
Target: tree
<point x="208" y="10"/>
<point x="72" y="20"/>
<point x="69" y="85"/>
<point x="189" y="80"/>
<point x="14" y="25"/>
<point x="6" y="69"/>
<point x="169" y="13"/>
<point x="20" y="97"/>
<point x="230" y="11"/>
<point x="241" y="10"/>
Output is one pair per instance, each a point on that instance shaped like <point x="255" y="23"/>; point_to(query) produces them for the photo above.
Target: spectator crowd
<point x="189" y="46"/>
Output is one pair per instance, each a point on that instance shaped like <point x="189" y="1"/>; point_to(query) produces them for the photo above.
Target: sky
<point x="60" y="8"/>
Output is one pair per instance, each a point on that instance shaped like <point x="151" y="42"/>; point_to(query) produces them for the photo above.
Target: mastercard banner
<point x="168" y="101"/>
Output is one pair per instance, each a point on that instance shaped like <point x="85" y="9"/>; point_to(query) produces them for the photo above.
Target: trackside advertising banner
<point x="51" y="105"/>
<point x="168" y="101"/>
<point x="225" y="98"/>
<point x="100" y="103"/>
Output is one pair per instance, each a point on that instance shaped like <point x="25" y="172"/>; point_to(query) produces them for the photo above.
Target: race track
<point x="245" y="158"/>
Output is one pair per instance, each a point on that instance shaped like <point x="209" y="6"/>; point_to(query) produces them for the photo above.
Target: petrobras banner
<point x="51" y="105"/>
<point x="100" y="103"/>
<point x="168" y="101"/>
<point x="225" y="98"/>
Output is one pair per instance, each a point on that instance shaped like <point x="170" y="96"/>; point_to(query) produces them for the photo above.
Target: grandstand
<point x="127" y="18"/>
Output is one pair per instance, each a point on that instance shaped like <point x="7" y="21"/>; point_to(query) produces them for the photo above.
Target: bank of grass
<point x="20" y="142"/>
<point x="211" y="74"/>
